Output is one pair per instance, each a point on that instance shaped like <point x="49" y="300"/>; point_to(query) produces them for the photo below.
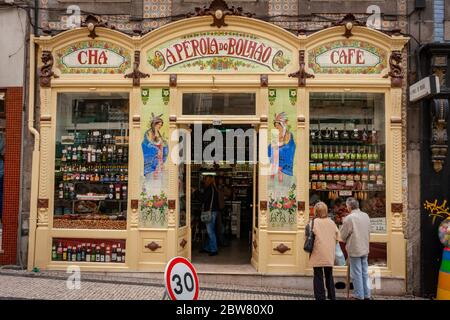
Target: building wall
<point x="13" y="43"/>
<point x="12" y="175"/>
<point x="447" y="20"/>
<point x="13" y="32"/>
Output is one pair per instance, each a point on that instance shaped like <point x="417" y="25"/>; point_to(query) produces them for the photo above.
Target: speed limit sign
<point x="181" y="279"/>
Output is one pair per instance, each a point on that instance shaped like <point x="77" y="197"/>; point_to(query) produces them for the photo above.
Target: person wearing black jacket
<point x="210" y="199"/>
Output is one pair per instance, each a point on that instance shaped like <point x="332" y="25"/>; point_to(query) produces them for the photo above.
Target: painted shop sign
<point x="219" y="51"/>
<point x="347" y="57"/>
<point x="93" y="57"/>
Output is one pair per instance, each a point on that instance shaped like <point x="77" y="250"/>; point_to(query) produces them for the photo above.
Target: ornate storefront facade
<point x="326" y="110"/>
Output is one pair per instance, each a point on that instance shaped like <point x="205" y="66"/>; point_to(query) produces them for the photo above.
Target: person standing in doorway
<point x="355" y="232"/>
<point x="210" y="198"/>
<point x="322" y="257"/>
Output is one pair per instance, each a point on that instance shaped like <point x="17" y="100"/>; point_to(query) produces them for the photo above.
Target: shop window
<point x="91" y="165"/>
<point x="347" y="154"/>
<point x="88" y="250"/>
<point x="219" y="104"/>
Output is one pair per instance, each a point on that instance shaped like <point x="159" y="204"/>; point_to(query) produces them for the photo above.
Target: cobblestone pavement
<point x="52" y="285"/>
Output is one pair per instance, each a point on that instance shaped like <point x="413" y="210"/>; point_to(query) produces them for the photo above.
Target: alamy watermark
<point x="73" y="281"/>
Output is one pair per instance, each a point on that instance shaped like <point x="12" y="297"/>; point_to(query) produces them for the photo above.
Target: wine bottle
<point x="104" y="154"/>
<point x="64" y="156"/>
<point x="364" y="154"/>
<point x="93" y="155"/>
<point x="97" y="254"/>
<point x="114" y="253"/>
<point x="69" y="253"/>
<point x="125" y="155"/>
<point x="83" y="252"/>
<point x="358" y="153"/>
<point x="376" y="155"/>
<point x="64" y="256"/>
<point x="87" y="257"/>
<point x="102" y="253"/>
<point x="118" y="190"/>
<point x="111" y="192"/>
<point x="54" y="253"/>
<point x="124" y="192"/>
<point x="93" y="253"/>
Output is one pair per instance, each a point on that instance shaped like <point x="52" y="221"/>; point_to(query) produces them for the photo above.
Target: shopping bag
<point x="339" y="259"/>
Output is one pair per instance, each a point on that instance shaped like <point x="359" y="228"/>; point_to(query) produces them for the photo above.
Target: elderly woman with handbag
<point x="325" y="235"/>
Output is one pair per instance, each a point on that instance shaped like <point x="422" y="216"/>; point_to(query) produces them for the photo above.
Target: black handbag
<point x="309" y="241"/>
<point x="206" y="215"/>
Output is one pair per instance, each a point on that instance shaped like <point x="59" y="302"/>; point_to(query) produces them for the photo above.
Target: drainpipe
<point x="35" y="157"/>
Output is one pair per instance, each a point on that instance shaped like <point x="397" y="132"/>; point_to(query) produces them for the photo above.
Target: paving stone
<point x="53" y="285"/>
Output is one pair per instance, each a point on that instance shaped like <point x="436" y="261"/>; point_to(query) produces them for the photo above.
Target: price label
<point x="378" y="225"/>
<point x="349" y="183"/>
<point x="345" y="193"/>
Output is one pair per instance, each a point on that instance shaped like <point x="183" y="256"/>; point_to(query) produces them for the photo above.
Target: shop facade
<point x="324" y="111"/>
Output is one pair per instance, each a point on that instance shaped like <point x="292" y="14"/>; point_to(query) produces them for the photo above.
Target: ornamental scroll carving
<point x="91" y="22"/>
<point x="219" y="9"/>
<point x="348" y="21"/>
<point x="136" y="75"/>
<point x="46" y="74"/>
<point x="263" y="214"/>
<point x="42" y="205"/>
<point x="396" y="71"/>
<point x="301" y="74"/>
<point x="397" y="222"/>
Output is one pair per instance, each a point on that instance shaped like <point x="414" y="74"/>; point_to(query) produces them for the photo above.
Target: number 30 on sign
<point x="181" y="279"/>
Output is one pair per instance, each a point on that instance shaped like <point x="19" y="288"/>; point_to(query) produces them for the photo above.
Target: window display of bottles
<point x="89" y="250"/>
<point x="91" y="161"/>
<point x="346" y="164"/>
<point x="347" y="151"/>
<point x="346" y="167"/>
<point x="92" y="180"/>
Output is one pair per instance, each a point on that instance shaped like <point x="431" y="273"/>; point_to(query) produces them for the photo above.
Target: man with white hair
<point x="355" y="233"/>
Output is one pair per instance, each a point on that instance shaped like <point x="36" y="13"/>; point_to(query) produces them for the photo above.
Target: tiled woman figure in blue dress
<point x="282" y="157"/>
<point x="155" y="150"/>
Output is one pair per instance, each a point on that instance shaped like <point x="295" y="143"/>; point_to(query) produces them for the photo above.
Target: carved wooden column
<point x="396" y="143"/>
<point x="396" y="209"/>
<point x="47" y="139"/>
